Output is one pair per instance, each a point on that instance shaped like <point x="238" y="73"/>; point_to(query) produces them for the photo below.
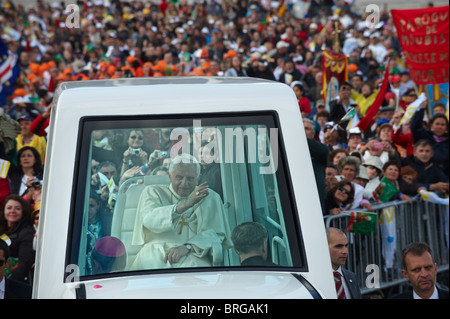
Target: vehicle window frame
<point x="82" y="170"/>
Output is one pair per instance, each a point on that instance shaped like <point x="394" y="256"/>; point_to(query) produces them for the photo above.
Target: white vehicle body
<point x="77" y="102"/>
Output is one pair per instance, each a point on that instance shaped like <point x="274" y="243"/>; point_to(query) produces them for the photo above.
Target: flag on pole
<point x="9" y="71"/>
<point x="352" y="117"/>
<point x="433" y="197"/>
<point x="411" y="109"/>
<point x="365" y="122"/>
<point x="335" y="71"/>
<point x="388" y="236"/>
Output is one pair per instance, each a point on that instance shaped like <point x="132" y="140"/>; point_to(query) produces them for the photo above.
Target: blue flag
<point x="9" y="71"/>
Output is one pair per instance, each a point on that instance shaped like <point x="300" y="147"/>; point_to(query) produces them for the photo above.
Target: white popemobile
<point x="91" y="216"/>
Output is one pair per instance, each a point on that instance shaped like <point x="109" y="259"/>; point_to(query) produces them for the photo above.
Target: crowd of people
<point x="275" y="40"/>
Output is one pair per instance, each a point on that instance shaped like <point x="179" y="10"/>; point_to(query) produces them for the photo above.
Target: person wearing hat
<point x="334" y="136"/>
<point x="28" y="138"/>
<point x="383" y="148"/>
<point x="109" y="255"/>
<point x="354" y="139"/>
<point x="405" y="82"/>
<point x="290" y="73"/>
<point x="361" y="178"/>
<point x="281" y="49"/>
<point x="374" y="167"/>
<point x="407" y="98"/>
<point x="394" y="89"/>
<point x="260" y="68"/>
<point x="340" y="106"/>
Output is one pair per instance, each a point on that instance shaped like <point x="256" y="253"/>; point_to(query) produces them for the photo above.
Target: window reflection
<point x="155" y="212"/>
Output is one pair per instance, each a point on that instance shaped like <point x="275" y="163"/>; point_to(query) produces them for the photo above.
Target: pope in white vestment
<point x="180" y="225"/>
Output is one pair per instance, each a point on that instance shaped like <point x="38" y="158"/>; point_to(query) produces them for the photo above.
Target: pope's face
<point x="184" y="178"/>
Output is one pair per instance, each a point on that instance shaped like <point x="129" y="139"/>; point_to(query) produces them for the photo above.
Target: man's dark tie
<point x="339" y="287"/>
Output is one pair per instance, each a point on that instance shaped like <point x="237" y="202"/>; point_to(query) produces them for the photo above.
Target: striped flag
<point x="9" y="71"/>
<point x="6" y="239"/>
<point x="412" y="108"/>
<point x="111" y="185"/>
<point x="388" y="236"/>
<point x="4" y="168"/>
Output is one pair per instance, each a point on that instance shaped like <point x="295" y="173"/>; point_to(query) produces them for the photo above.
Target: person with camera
<point x="147" y="168"/>
<point x="134" y="155"/>
<point x="26" y="177"/>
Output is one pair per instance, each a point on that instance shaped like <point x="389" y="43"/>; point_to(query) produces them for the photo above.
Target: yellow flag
<point x="4" y="168"/>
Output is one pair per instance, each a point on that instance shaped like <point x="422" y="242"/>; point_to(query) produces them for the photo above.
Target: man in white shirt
<point x="420" y="270"/>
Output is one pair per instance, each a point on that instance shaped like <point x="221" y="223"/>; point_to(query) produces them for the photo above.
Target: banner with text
<point x="423" y="35"/>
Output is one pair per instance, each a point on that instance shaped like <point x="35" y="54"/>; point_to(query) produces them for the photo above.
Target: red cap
<point x="109" y="246"/>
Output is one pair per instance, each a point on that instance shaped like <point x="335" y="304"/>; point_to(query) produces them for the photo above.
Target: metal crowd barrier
<point x="369" y="257"/>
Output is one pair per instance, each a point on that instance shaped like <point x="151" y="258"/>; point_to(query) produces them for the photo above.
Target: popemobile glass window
<point x="167" y="194"/>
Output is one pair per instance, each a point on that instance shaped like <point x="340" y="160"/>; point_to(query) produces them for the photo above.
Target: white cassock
<point x="158" y="228"/>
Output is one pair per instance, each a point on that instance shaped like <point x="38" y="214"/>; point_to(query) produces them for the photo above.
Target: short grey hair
<point x="313" y="125"/>
<point x="349" y="160"/>
<point x="184" y="159"/>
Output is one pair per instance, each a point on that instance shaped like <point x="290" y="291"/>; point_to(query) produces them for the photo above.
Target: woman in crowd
<point x="374" y="168"/>
<point x="391" y="170"/>
<point x="134" y="155"/>
<point x="336" y="155"/>
<point x="408" y="174"/>
<point x="366" y="98"/>
<point x="334" y="137"/>
<point x="339" y="197"/>
<point x="15" y="222"/>
<point x="437" y="133"/>
<point x="236" y="68"/>
<point x="303" y="102"/>
<point x="28" y="171"/>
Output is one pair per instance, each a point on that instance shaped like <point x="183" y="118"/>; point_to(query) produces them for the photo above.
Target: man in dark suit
<point x="10" y="289"/>
<point x="319" y="157"/>
<point x="347" y="286"/>
<point x="420" y="270"/>
<point x="250" y="243"/>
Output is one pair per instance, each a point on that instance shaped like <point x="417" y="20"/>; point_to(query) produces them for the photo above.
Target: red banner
<point x="334" y="69"/>
<point x="423" y="35"/>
